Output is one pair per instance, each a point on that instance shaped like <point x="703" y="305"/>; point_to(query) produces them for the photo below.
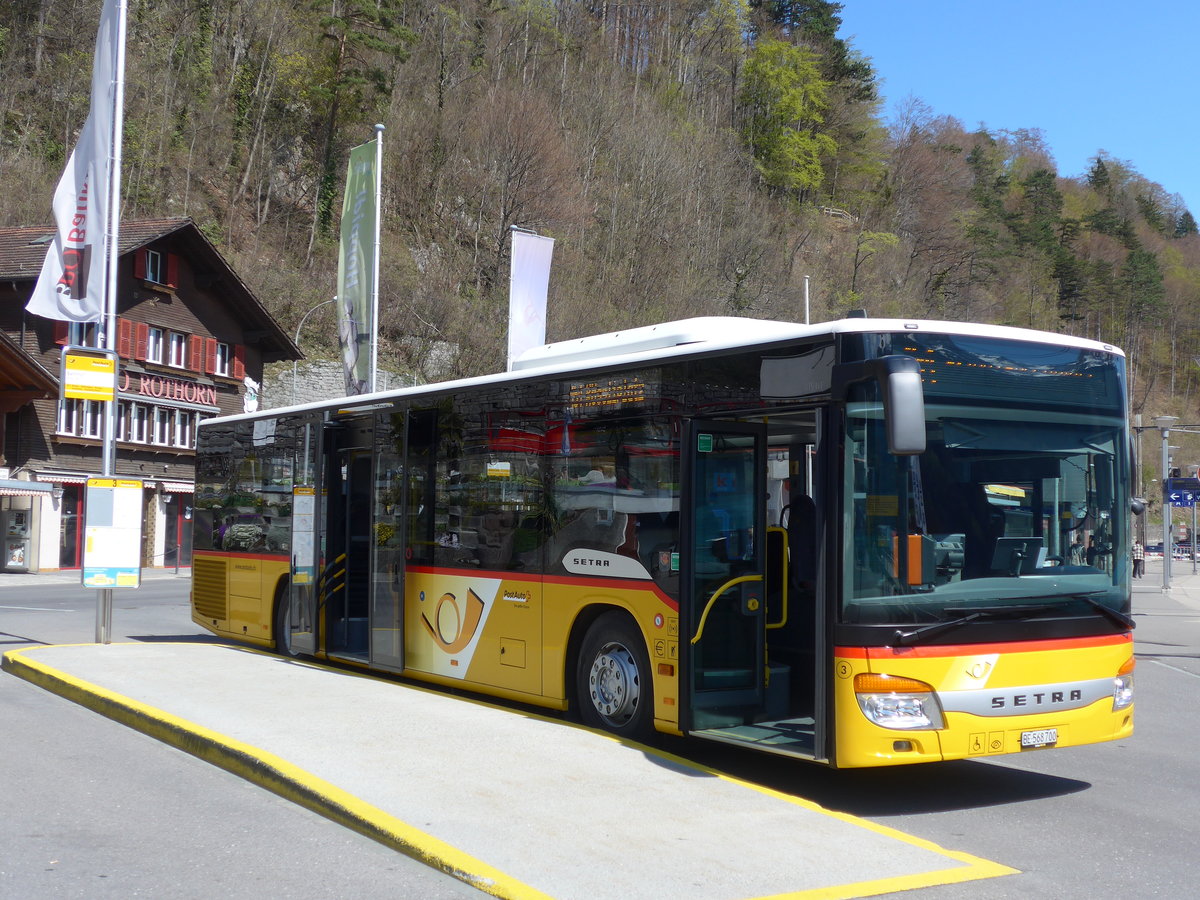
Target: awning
<point x="62" y="478"/>
<point x="10" y="487"/>
<point x="177" y="487"/>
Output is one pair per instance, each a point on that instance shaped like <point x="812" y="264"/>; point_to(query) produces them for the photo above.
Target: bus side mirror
<point x="899" y="379"/>
<point x="1137" y="505"/>
<point x="903" y="406"/>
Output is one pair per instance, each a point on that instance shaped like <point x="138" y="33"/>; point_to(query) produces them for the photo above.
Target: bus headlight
<point x="900" y="703"/>
<point x="1123" y="686"/>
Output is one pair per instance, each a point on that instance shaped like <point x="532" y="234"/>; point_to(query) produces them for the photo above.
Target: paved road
<point x="1109" y="820"/>
<point x="92" y="809"/>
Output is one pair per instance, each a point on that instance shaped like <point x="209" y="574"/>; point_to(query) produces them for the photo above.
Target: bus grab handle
<point x="741" y="579"/>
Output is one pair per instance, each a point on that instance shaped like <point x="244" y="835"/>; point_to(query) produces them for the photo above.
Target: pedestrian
<point x="1139" y="558"/>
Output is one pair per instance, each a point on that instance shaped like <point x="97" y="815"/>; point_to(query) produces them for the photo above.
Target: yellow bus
<point x="856" y="543"/>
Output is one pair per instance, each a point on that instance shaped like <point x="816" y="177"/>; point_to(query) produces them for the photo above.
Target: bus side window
<point x="421" y="478"/>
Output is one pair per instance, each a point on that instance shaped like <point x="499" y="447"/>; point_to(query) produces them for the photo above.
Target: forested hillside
<point x="694" y="157"/>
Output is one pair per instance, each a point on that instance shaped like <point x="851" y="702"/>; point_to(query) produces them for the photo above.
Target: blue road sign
<point x="1182" y="492"/>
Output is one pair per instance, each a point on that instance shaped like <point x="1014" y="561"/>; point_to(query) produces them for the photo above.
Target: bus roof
<point x="685" y="337"/>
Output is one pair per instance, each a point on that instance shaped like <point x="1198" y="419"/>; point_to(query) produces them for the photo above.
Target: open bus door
<point x="343" y="587"/>
<point x="724" y="575"/>
<point x="749" y="601"/>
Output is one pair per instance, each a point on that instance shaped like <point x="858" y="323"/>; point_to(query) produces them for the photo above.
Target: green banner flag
<point x="356" y="266"/>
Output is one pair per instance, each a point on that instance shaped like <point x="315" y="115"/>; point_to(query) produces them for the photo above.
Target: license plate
<point x="1046" y="737"/>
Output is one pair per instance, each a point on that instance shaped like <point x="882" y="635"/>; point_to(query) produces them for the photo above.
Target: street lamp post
<point x="1164" y="424"/>
<point x="1192" y="543"/>
<point x="303" y="319"/>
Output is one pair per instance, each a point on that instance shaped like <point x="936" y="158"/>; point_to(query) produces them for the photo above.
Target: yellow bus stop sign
<point x="89" y="376"/>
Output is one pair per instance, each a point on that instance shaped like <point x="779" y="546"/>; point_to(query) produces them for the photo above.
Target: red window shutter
<point x="172" y="270"/>
<point x="196" y="353"/>
<point x="139" y="266"/>
<point x="141" y="340"/>
<point x="124" y="338"/>
<point x="62" y="332"/>
<point x="210" y="355"/>
<point x="239" y="361"/>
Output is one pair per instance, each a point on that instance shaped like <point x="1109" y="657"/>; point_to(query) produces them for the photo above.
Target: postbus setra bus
<point x="858" y="543"/>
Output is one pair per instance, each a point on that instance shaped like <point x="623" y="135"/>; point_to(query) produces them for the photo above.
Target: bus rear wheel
<point x="613" y="678"/>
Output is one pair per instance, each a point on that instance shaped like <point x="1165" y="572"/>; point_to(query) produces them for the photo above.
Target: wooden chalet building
<point x="192" y="340"/>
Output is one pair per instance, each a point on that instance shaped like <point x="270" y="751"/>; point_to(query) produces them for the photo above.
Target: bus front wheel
<point x="613" y="678"/>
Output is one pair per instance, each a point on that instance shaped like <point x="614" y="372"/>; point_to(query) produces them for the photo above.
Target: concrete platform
<point x="512" y="803"/>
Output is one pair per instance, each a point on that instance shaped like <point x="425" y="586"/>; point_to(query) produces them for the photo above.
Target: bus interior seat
<point x="802" y="542"/>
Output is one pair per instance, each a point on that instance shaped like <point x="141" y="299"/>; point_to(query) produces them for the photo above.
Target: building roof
<point x="23" y="249"/>
<point x="22" y="378"/>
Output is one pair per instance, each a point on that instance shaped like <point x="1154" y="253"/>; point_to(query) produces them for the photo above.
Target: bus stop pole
<point x="1164" y="424"/>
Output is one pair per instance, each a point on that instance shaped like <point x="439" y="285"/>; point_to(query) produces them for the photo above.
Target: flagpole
<point x="114" y="228"/>
<point x="374" y="384"/>
<point x="104" y="598"/>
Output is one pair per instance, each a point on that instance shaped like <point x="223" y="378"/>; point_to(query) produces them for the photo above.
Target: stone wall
<point x="316" y="380"/>
<point x="321" y="379"/>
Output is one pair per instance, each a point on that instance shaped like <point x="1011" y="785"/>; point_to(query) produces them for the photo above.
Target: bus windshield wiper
<point x="1089" y="597"/>
<point x="1107" y="611"/>
<point x="964" y="614"/>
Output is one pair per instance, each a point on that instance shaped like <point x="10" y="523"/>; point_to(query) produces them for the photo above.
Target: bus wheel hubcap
<point x="614" y="684"/>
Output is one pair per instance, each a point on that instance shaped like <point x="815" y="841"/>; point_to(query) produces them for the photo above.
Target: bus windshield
<point x="1017" y="504"/>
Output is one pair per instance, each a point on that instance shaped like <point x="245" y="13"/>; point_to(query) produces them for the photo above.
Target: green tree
<point x="1099" y="178"/>
<point x="1041" y="208"/>
<point x="990" y="177"/>
<point x="1070" y="274"/>
<point x="815" y="24"/>
<point x="1110" y="222"/>
<point x="1152" y="212"/>
<point x="1142" y="279"/>
<point x="366" y="38"/>
<point x="783" y="98"/>
<point x="1185" y="225"/>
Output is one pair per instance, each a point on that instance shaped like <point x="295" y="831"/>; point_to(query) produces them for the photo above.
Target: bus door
<point x="724" y="600"/>
<point x="295" y="619"/>
<point x="345" y="577"/>
<point x="387" y="600"/>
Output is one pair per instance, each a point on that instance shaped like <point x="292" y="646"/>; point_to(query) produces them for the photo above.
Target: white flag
<point x="529" y="282"/>
<point x="71" y="285"/>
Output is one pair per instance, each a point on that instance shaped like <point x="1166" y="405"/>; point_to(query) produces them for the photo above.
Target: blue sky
<point x="1098" y="75"/>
